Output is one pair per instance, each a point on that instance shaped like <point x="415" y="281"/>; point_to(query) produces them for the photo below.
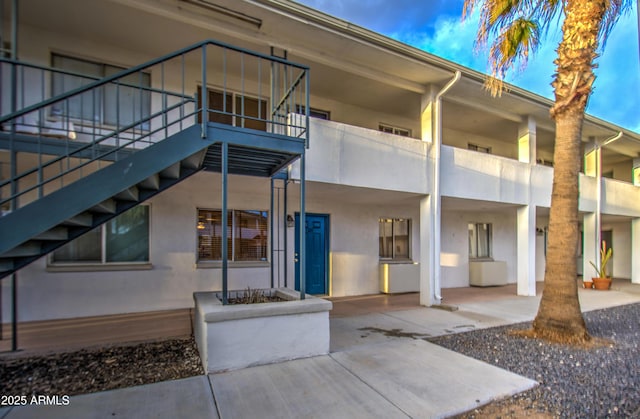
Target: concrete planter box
<point x="244" y="335"/>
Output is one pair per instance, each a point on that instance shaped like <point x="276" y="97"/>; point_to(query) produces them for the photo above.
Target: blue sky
<point x="436" y="26"/>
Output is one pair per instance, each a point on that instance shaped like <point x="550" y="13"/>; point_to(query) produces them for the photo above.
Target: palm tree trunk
<point x="559" y="316"/>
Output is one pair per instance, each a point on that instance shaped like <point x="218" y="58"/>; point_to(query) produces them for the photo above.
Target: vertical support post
<point x="286" y="232"/>
<point x="14" y="165"/>
<point x="271" y="231"/>
<point x="636" y="172"/>
<point x="526" y="250"/>
<point x="426" y="262"/>
<point x="14" y="312"/>
<point x="306" y="107"/>
<point x="205" y="95"/>
<point x="589" y="244"/>
<point x="635" y="251"/>
<point x="598" y="238"/>
<point x="303" y="230"/>
<point x="527" y="141"/>
<point x="225" y="247"/>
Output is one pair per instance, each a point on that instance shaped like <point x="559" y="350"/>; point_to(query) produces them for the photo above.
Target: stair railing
<point x="62" y="138"/>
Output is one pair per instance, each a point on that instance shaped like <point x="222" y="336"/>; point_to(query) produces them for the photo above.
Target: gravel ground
<point x="88" y="371"/>
<point x="599" y="382"/>
<point x="574" y="383"/>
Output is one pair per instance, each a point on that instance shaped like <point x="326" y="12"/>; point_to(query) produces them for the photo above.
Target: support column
<point x="526" y="250"/>
<point x="303" y="231"/>
<point x="635" y="251"/>
<point x="426" y="255"/>
<point x="589" y="243"/>
<point x="527" y="141"/>
<point x="224" y="235"/>
<point x="428" y="262"/>
<point x="636" y="172"/>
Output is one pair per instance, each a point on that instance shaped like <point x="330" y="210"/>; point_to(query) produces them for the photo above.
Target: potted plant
<point x="602" y="282"/>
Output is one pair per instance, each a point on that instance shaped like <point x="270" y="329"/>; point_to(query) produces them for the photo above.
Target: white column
<point x="590" y="249"/>
<point x="636" y="172"/>
<point x="428" y="219"/>
<point x="427" y="297"/>
<point x="635" y="251"/>
<point x="527" y="141"/>
<point x="526" y="250"/>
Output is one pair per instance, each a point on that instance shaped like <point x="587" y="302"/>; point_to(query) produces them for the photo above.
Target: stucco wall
<point x="455" y="244"/>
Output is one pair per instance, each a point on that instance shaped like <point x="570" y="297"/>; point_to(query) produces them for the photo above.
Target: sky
<point x="436" y="26"/>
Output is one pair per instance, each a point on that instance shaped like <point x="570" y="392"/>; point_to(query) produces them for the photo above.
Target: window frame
<point x="314" y="112"/>
<point x="394" y="129"/>
<point x="232" y="258"/>
<point x="234" y="114"/>
<point x="479" y="148"/>
<point x="103" y="264"/>
<point x="488" y="244"/>
<point x="101" y="121"/>
<point x="394" y="257"/>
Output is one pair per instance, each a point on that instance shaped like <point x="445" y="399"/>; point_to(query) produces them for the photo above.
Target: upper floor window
<point x="479" y="241"/>
<point x="481" y="149"/>
<point x="124" y="239"/>
<point x="235" y="109"/>
<point x="121" y="104"/>
<point x="246" y="235"/>
<point x="314" y="113"/>
<point x="394" y="238"/>
<point x="394" y="130"/>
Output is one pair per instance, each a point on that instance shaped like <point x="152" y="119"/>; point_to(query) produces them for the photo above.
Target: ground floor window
<point x="246" y="235"/>
<point x="479" y="240"/>
<point x="124" y="239"/>
<point x="394" y="238"/>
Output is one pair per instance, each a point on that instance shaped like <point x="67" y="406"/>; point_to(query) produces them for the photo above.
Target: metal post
<point x="303" y="229"/>
<point x="225" y="250"/>
<point x="205" y="96"/>
<point x="271" y="215"/>
<point x="14" y="312"/>
<point x="286" y="182"/>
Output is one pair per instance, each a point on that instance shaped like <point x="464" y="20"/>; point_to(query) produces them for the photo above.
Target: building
<point x="415" y="177"/>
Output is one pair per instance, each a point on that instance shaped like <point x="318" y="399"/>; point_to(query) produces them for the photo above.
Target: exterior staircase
<point x="84" y="175"/>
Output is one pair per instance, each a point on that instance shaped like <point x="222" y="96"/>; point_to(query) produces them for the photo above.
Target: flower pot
<point x="602" y="283"/>
<point x="587" y="284"/>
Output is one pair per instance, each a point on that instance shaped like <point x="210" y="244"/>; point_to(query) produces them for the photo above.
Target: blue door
<point x="317" y="253"/>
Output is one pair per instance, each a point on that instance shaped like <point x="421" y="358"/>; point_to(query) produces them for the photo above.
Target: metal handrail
<point x="175" y="108"/>
<point x="141" y="67"/>
<point x="64" y="72"/>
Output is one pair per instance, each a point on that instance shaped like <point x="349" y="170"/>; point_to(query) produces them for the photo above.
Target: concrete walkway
<point x="379" y="366"/>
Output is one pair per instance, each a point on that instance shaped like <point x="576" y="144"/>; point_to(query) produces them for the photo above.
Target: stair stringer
<point x="23" y="224"/>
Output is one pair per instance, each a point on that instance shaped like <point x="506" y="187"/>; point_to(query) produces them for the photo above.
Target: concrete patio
<point x="379" y="366"/>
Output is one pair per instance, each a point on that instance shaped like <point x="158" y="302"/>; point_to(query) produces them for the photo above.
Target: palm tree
<point x="514" y="28"/>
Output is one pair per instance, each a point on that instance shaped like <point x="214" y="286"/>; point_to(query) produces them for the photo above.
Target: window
<point x="481" y="149"/>
<point x="246" y="235"/>
<point x="479" y="241"/>
<point x="394" y="238"/>
<point x="114" y="105"/>
<point x="394" y="130"/>
<point x="237" y="110"/>
<point x="124" y="239"/>
<point x="314" y="113"/>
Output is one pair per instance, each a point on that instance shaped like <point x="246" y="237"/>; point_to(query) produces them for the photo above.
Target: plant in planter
<point x="602" y="282"/>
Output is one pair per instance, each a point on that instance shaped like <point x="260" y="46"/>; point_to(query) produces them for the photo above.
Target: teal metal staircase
<point x="66" y="180"/>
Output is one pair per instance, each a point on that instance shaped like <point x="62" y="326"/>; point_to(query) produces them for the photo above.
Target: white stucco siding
<point x="621" y="259"/>
<point x="348" y="155"/>
<point x="354" y="215"/>
<point x="473" y="175"/>
<point x="455" y="244"/>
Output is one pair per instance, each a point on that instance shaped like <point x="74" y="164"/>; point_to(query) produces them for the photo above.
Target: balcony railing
<point x="54" y="140"/>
